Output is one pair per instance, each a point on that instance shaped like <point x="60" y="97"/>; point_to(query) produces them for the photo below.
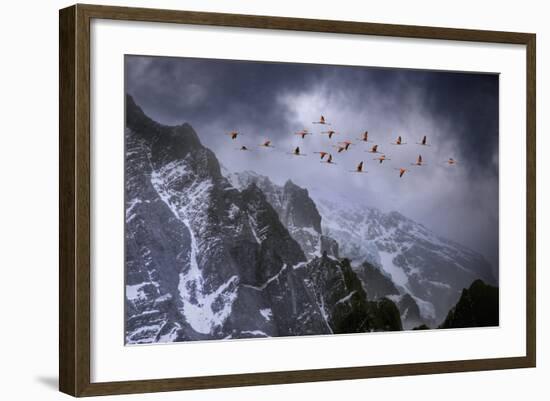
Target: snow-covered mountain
<point x="432" y="269"/>
<point x="214" y="256"/>
<point x="300" y="214"/>
<point x="392" y="255"/>
<point x="207" y="260"/>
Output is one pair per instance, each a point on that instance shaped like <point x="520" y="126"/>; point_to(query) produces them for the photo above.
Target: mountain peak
<point x="135" y="117"/>
<point x="477" y="307"/>
<point x="296" y="210"/>
<point x="396" y="214"/>
<point x="141" y="123"/>
<point x="253" y="188"/>
<point x="431" y="268"/>
<point x="290" y="184"/>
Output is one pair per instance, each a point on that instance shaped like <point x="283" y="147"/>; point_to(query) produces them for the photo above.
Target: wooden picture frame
<point x="74" y="199"/>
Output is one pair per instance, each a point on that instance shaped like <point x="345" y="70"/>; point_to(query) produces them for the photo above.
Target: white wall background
<point x="28" y="201"/>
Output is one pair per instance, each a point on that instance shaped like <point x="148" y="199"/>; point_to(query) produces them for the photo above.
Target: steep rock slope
<point x="477" y="307"/>
<point x="191" y="238"/>
<point x="377" y="283"/>
<point x="205" y="260"/>
<point x="296" y="210"/>
<point x="299" y="213"/>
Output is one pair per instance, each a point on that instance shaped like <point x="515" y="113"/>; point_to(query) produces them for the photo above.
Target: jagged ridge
<point x="432" y="269"/>
<point x="296" y="210"/>
<point x="207" y="261"/>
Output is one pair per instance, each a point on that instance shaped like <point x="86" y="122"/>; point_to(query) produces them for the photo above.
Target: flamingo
<point x="296" y="152"/>
<point x="340" y="148"/>
<point x="365" y="137"/>
<point x="418" y="162"/>
<point x="346" y="144"/>
<point x="398" y="141"/>
<point x="266" y="144"/>
<point x="381" y="158"/>
<point x="303" y="133"/>
<point x="374" y="149"/>
<point x="401" y="171"/>
<point x="451" y="161"/>
<point x="359" y="169"/>
<point x="233" y="134"/>
<point x="423" y="142"/>
<point x="244" y="148"/>
<point x="330" y="133"/>
<point x="329" y="160"/>
<point x="321" y="121"/>
<point x="323" y="154"/>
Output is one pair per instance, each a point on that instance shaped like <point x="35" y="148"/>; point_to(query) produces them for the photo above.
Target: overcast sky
<point x="457" y="111"/>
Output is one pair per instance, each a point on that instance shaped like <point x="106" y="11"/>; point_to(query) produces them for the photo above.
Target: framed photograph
<point x="250" y="200"/>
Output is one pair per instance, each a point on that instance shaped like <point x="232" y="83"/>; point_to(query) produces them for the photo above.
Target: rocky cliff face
<point x="210" y="256"/>
<point x="477" y="307"/>
<point x="377" y="282"/>
<point x="206" y="260"/>
<point x="411" y="315"/>
<point x="296" y="210"/>
<point x="392" y="255"/>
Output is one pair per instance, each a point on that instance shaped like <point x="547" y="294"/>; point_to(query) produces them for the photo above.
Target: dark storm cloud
<point x="173" y="90"/>
<point x="470" y="103"/>
<point x="458" y="112"/>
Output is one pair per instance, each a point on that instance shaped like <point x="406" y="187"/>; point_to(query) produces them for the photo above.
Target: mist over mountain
<point x="282" y="245"/>
<point x="392" y="255"/>
<point x="212" y="254"/>
<point x="432" y="269"/>
<point x="205" y="260"/>
<point x="458" y="111"/>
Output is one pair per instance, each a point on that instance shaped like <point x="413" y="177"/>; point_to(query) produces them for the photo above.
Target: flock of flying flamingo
<point x="344" y="146"/>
